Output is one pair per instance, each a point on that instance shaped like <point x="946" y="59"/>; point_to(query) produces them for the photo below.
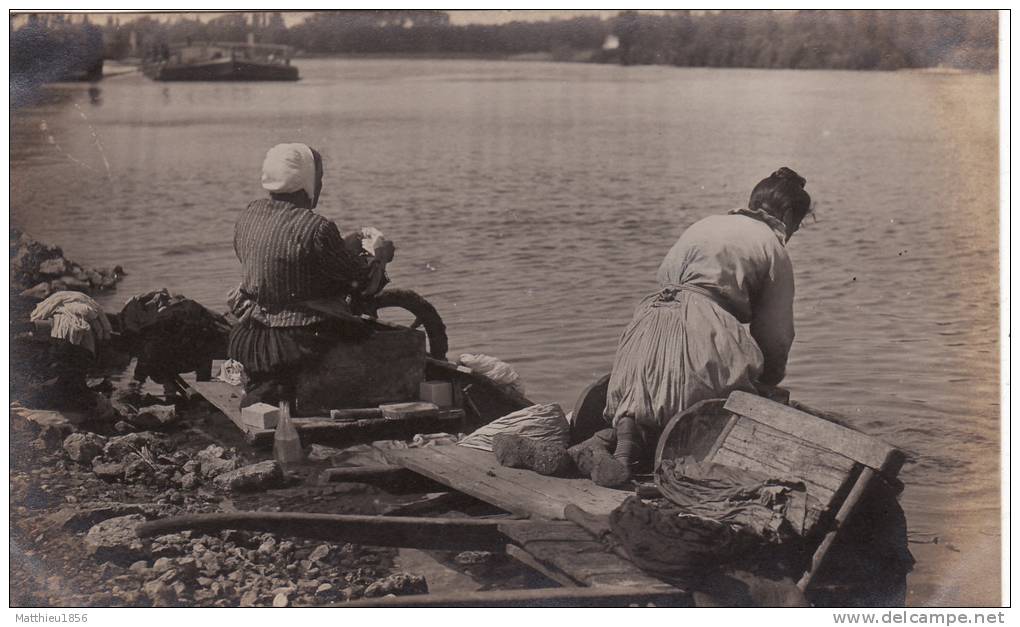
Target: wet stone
<point x="213" y="461"/>
<point x="154" y="417"/>
<point x="123" y="445"/>
<point x="254" y="477"/>
<point x="115" y="540"/>
<point x="85" y="516"/>
<point x="108" y="471"/>
<point x="52" y="436"/>
<point x="53" y="267"/>
<point x="162" y="565"/>
<point x="398" y="584"/>
<point x="160" y="593"/>
<point x="320" y="553"/>
<point x="473" y="558"/>
<point x="84" y="447"/>
<point x="267" y="547"/>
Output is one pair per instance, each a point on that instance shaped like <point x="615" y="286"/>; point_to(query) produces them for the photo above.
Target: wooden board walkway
<point x="562" y="551"/>
<point x="568" y="551"/>
<point x="515" y="490"/>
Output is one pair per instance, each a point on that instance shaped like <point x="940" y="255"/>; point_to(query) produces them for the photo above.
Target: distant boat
<point x="221" y="62"/>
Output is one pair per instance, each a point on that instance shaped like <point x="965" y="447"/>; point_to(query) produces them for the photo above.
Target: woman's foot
<point x="517" y="451"/>
<point x="593" y="459"/>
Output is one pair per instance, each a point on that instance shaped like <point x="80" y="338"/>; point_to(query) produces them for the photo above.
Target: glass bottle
<point x="286" y="442"/>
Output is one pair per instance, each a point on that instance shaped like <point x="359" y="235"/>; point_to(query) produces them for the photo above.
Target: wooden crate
<point x="835" y="463"/>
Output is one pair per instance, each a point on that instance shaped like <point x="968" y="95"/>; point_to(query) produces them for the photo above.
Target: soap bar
<point x="403" y="411"/>
<point x="260" y="415"/>
<point x="437" y="392"/>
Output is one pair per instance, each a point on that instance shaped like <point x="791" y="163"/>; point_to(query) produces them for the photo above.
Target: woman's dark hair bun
<point x="782" y="190"/>
<point x="787" y="173"/>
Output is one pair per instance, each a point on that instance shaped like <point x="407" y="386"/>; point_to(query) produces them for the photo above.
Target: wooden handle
<point x="844" y="512"/>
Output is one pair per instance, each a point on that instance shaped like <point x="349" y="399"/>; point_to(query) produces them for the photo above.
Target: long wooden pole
<point x="447" y="534"/>
<point x="602" y="596"/>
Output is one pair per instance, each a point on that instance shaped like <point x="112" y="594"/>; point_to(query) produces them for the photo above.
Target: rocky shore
<point x="38" y="269"/>
<point x="80" y="484"/>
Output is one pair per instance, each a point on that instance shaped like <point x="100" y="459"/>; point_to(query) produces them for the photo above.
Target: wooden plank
<point x="561" y="549"/>
<point x="545" y="597"/>
<point x="590" y="564"/>
<point x="632" y="579"/>
<point x="581" y="560"/>
<point x="323" y="430"/>
<point x="731" y="422"/>
<point x="540" y="531"/>
<point x="474" y="481"/>
<point x="525" y="558"/>
<point x="225" y="398"/>
<point x="789" y="455"/>
<point x="569" y="550"/>
<point x="847" y="442"/>
<point x="558" y="490"/>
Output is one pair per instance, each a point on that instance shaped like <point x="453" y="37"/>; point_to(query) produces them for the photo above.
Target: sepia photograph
<point x="508" y="308"/>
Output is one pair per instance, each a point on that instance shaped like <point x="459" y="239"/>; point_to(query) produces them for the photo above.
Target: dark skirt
<point x="264" y="350"/>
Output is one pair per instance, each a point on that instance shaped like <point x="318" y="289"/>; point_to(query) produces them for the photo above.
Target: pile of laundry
<point x="68" y="336"/>
<point x="171" y="334"/>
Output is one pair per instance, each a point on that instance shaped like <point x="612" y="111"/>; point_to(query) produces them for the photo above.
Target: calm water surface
<point x="533" y="202"/>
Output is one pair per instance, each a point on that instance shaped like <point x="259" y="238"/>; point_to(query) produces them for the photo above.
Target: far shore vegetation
<point x="816" y="39"/>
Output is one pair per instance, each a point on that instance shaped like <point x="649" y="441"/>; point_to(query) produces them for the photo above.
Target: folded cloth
<point x="76" y="318"/>
<point x="499" y="372"/>
<point x="545" y="423"/>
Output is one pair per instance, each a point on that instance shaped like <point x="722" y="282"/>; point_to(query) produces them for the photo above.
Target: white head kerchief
<point x="289" y="168"/>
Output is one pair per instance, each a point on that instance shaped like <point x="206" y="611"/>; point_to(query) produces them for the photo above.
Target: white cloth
<point x="499" y="372"/>
<point x="545" y="423"/>
<point x="76" y="318"/>
<point x="289" y="168"/>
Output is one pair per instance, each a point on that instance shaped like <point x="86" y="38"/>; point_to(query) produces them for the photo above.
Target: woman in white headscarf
<point x="289" y="257"/>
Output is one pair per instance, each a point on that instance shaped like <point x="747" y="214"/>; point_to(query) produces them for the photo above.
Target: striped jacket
<point x="290" y="255"/>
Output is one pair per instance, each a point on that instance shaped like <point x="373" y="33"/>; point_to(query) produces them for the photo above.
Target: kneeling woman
<point x="290" y="257"/>
<point x="688" y="342"/>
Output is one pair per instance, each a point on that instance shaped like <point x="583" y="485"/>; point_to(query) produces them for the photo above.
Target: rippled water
<point x="533" y="202"/>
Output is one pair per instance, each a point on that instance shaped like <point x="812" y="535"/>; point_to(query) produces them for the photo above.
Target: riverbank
<point x="80" y="484"/>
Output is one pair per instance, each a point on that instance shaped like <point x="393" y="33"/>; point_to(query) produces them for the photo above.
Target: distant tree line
<point x="857" y="39"/>
<point x="53" y="49"/>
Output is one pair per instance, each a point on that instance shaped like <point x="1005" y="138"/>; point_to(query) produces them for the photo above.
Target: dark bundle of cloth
<point x="171" y="334"/>
<point x="773" y="509"/>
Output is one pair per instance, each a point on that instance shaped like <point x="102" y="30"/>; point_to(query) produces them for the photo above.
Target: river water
<point x="532" y="203"/>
